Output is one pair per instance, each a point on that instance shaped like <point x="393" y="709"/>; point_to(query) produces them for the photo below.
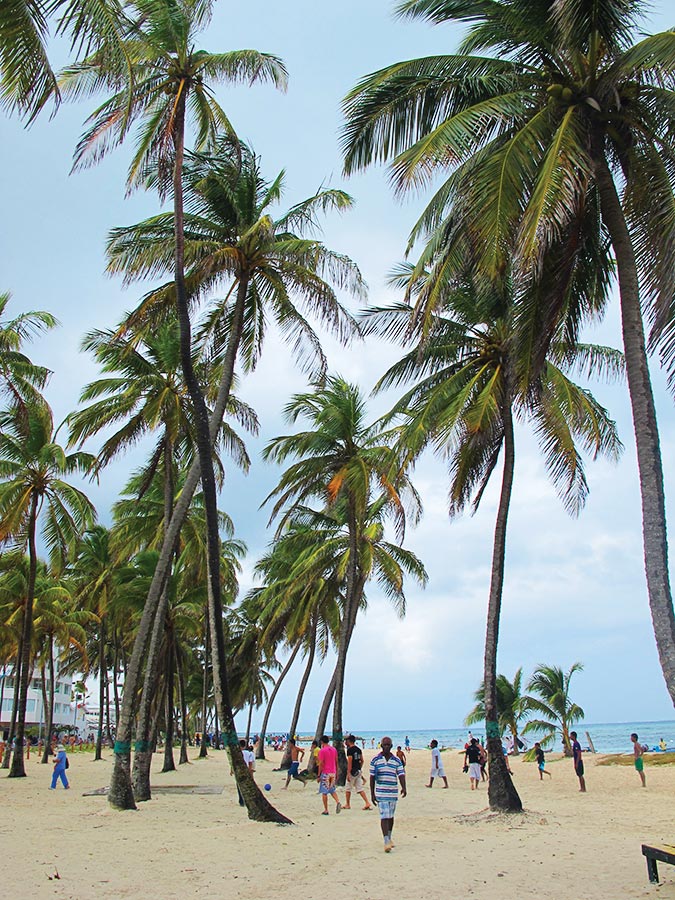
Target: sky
<point x="574" y="589"/>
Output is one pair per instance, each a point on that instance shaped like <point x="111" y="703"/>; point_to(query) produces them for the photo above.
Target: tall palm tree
<point x="36" y="497"/>
<point x="467" y="365"/>
<point x="553" y="703"/>
<point x="169" y="80"/>
<point x="263" y="264"/>
<point x="511" y="709"/>
<point x="549" y="118"/>
<point x="349" y="466"/>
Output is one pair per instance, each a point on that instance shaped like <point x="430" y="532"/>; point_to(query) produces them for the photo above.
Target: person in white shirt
<point x="437" y="770"/>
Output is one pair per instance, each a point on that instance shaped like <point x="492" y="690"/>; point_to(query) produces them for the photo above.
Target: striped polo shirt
<point x="386" y="772"/>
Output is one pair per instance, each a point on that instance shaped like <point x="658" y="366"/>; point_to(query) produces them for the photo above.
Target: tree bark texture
<point x="260" y="752"/>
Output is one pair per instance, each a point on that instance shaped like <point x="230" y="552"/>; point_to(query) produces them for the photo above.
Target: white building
<point x="67" y="711"/>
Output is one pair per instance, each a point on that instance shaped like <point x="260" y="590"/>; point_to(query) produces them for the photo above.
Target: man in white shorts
<point x="386" y="770"/>
<point x="355" y="780"/>
<point x="437" y="770"/>
<point x="472" y="756"/>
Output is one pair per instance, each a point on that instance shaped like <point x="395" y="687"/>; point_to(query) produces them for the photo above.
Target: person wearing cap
<point x="60" y="764"/>
<point x="386" y="771"/>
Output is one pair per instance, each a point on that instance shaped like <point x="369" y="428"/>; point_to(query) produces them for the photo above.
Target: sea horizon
<point x="606" y="737"/>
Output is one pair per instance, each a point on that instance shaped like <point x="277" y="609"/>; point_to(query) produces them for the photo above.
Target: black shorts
<point x="579" y="768"/>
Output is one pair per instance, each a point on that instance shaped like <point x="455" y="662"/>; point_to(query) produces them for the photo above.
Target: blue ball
<point x="268" y="787"/>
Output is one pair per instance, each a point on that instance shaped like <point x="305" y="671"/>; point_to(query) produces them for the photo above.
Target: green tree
<point x="37" y="497"/>
<point x="348" y="465"/>
<point x="169" y="80"/>
<point x="21" y="381"/>
<point x="550" y="121"/>
<point x="510" y="708"/>
<point x="466" y="363"/>
<point x="553" y="703"/>
<point x="264" y="264"/>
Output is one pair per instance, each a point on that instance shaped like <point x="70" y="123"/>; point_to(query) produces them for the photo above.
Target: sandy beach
<point x="447" y="844"/>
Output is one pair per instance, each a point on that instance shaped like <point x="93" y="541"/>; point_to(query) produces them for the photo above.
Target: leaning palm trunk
<point x="50" y="706"/>
<point x="286" y="758"/>
<point x="323" y="718"/>
<point x="17" y="769"/>
<point x="15" y="707"/>
<point x="502" y="795"/>
<point x="180" y="671"/>
<point x="120" y="794"/>
<point x="260" y="752"/>
<point x="102" y="674"/>
<point x="169" y="762"/>
<point x="650" y="466"/>
<point x="205" y="686"/>
<point x="258" y="807"/>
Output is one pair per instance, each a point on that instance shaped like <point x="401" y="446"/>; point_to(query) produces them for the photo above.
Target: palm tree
<point x="169" y="79"/>
<point x="36" y="497"/>
<point x="20" y="379"/>
<point x="568" y="125"/>
<point x="510" y="707"/>
<point x="553" y="703"/>
<point x="265" y="263"/>
<point x="347" y="464"/>
<point x="470" y="388"/>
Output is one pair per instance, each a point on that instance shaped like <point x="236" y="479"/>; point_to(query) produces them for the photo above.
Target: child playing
<point x="541" y="761"/>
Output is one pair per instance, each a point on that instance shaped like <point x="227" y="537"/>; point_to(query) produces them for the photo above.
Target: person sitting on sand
<point x="541" y="761"/>
<point x="437" y="770"/>
<point x="637" y="758"/>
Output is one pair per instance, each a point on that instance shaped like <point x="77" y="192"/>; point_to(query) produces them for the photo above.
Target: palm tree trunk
<point x="323" y="718"/>
<point x="650" y="466"/>
<point x="258" y="806"/>
<point x="107" y="704"/>
<point x="9" y="746"/>
<point x="248" y="723"/>
<point x="180" y="669"/>
<point x="116" y="675"/>
<point x="169" y="763"/>
<point x="102" y="676"/>
<point x="260" y="753"/>
<point x="17" y="769"/>
<point x="502" y="795"/>
<point x="50" y="707"/>
<point x="203" y="752"/>
<point x="120" y="793"/>
<point x="286" y="758"/>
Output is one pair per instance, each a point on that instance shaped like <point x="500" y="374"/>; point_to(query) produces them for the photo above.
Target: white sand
<point x="447" y="845"/>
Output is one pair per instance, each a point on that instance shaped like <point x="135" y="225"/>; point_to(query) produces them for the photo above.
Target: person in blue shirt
<point x="60" y="762"/>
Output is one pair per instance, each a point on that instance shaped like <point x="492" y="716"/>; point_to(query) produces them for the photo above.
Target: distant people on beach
<point x="437" y="770"/>
<point x="60" y="766"/>
<point x="406" y="743"/>
<point x="578" y="762"/>
<point x="401" y="755"/>
<point x="638" y="761"/>
<point x="386" y="772"/>
<point x="662" y="745"/>
<point x="355" y="780"/>
<point x="328" y="760"/>
<point x="297" y="755"/>
<point x="483" y="761"/>
<point x="541" y="761"/>
<point x="472" y="763"/>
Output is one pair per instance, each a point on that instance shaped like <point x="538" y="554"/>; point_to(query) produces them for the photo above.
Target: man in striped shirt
<point x="386" y="770"/>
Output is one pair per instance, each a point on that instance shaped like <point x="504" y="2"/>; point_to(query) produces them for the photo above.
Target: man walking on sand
<point x="328" y="759"/>
<point x="297" y="753"/>
<point x="437" y="770"/>
<point x="638" y="760"/>
<point x="386" y="771"/>
<point x="578" y="762"/>
<point x="355" y="780"/>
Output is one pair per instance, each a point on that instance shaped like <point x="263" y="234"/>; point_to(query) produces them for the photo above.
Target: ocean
<point x="607" y="737"/>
